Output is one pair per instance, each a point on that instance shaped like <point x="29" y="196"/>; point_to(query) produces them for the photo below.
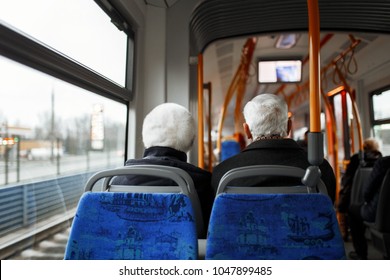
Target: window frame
<point x="20" y="47"/>
<point x="374" y="121"/>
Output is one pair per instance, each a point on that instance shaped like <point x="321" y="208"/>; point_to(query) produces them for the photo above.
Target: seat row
<point x="164" y="222"/>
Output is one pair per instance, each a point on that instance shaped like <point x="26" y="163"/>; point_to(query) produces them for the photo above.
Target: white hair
<point x="169" y="125"/>
<point x="266" y="114"/>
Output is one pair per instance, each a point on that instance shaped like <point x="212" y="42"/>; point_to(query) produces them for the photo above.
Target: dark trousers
<point x="357" y="231"/>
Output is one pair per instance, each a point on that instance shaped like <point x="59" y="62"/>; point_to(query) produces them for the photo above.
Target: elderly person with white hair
<point x="267" y="125"/>
<point x="168" y="133"/>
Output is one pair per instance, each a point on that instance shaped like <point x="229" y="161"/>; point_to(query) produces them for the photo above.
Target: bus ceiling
<point x="219" y="19"/>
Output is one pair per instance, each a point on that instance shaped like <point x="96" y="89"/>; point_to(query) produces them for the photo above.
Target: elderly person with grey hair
<point x="168" y="133"/>
<point x="267" y="125"/>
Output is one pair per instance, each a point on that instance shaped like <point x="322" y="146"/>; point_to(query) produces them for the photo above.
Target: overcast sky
<point x="77" y="28"/>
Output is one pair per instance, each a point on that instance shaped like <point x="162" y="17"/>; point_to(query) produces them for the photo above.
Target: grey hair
<point x="169" y="125"/>
<point x="266" y="114"/>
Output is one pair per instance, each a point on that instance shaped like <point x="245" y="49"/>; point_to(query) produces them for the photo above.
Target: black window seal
<point x="116" y="17"/>
<point x="26" y="50"/>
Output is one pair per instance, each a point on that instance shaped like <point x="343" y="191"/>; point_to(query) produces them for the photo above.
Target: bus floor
<point x="53" y="248"/>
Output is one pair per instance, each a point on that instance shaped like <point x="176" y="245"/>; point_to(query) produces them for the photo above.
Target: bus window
<point x="343" y="115"/>
<point x="381" y="118"/>
<point x="49" y="127"/>
<point x="78" y="29"/>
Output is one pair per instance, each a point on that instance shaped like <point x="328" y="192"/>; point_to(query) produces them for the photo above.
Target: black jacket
<point x="347" y="179"/>
<point x="273" y="152"/>
<point x="354" y="163"/>
<point x="372" y="189"/>
<point x="171" y="157"/>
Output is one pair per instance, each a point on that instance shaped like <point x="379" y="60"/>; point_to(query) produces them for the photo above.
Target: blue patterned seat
<point x="229" y="148"/>
<point x="131" y="226"/>
<point x="273" y="227"/>
<point x="183" y="181"/>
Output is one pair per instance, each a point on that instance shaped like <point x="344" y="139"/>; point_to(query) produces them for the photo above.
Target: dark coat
<point x="347" y="179"/>
<point x="354" y="163"/>
<point x="372" y="189"/>
<point x="171" y="157"/>
<point x="273" y="152"/>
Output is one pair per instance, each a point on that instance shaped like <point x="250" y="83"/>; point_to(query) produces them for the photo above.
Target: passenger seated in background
<point x="372" y="189"/>
<point x="267" y="125"/>
<point x="367" y="212"/>
<point x="371" y="154"/>
<point x="168" y="133"/>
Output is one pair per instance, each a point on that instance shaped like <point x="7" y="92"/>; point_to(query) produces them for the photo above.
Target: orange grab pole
<point x="228" y="97"/>
<point x="314" y="39"/>
<point x="249" y="50"/>
<point x="200" y="113"/>
<point x="355" y="110"/>
<point x="332" y="141"/>
<point x="241" y="70"/>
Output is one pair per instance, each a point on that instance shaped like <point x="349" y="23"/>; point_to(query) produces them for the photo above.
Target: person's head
<point x="169" y="125"/>
<point x="370" y="144"/>
<point x="266" y="115"/>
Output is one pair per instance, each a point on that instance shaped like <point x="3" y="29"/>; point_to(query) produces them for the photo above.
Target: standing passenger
<point x="267" y="125"/>
<point x="168" y="133"/>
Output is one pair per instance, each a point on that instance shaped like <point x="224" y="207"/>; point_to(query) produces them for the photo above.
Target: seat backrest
<point x="273" y="226"/>
<point x="265" y="170"/>
<point x="382" y="218"/>
<point x="183" y="180"/>
<point x="229" y="148"/>
<point x="134" y="226"/>
<point x="359" y="180"/>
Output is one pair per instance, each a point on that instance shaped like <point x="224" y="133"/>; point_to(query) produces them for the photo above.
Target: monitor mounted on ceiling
<point x="279" y="70"/>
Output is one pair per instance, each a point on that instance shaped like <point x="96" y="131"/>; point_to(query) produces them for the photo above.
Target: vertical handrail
<point x="228" y="97"/>
<point x="241" y="90"/>
<point x="315" y="143"/>
<point x="355" y="111"/>
<point x="239" y="80"/>
<point x="333" y="145"/>
<point x="314" y="54"/>
<point x="200" y="113"/>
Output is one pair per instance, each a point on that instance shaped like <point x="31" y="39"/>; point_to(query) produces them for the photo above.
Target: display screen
<point x="279" y="71"/>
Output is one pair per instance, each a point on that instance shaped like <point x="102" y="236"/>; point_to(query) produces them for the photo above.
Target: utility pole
<point x="52" y="136"/>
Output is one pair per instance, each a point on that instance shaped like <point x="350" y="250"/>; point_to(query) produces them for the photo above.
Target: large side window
<point x="54" y="127"/>
<point x="78" y="29"/>
<point x="63" y="88"/>
<point x="380" y="116"/>
<point x="65" y="85"/>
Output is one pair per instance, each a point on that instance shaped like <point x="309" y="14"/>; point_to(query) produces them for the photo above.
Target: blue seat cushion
<point x="111" y="225"/>
<point x="274" y="226"/>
